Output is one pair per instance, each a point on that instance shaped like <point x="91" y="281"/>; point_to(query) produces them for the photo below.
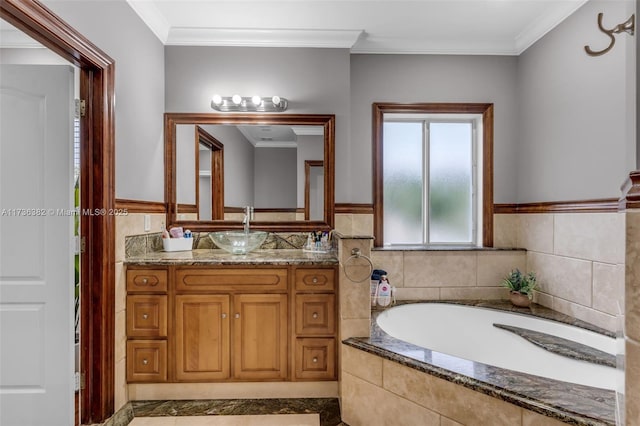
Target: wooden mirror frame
<point x="325" y="120"/>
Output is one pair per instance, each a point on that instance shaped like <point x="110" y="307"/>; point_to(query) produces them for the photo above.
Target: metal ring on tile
<point x="355" y="254"/>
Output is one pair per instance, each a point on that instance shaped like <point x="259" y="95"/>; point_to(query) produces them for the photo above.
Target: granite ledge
<point x="215" y="257"/>
<point x="566" y="402"/>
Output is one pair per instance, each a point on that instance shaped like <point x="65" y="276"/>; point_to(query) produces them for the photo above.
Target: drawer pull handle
<point x="315" y="359"/>
<point x="145" y="316"/>
<point x="145" y="361"/>
<point x="315" y="315"/>
<point x="145" y="280"/>
<point x="224" y="315"/>
<point x="237" y="315"/>
<point x="314" y="280"/>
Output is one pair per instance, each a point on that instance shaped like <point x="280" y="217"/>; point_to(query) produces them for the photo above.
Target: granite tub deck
<point x="565" y="402"/>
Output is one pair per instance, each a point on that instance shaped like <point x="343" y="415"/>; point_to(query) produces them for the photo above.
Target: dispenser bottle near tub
<point x="384" y="292"/>
<point x="375" y="280"/>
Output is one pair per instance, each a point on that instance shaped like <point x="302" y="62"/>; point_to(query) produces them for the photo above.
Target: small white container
<point x="177" y="244"/>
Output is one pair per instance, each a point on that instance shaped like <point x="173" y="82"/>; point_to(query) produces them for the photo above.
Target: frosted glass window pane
<point x="403" y="186"/>
<point x="450" y="183"/>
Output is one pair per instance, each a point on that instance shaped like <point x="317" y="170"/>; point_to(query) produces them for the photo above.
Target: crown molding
<point x="263" y="37"/>
<point x="152" y="17"/>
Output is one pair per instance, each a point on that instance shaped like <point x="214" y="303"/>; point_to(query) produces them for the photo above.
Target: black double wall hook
<point x="627" y="26"/>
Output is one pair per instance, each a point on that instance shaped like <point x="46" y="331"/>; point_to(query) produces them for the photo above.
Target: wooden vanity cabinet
<point x="315" y="324"/>
<point x="147" y="324"/>
<point x="231" y="323"/>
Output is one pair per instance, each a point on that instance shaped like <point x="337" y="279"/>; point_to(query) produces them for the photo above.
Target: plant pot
<point x="519" y="299"/>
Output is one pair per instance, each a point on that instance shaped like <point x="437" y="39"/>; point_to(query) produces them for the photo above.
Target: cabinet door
<point x="260" y="336"/>
<point x="202" y="337"/>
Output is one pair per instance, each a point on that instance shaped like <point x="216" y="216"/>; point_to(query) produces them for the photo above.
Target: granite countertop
<point x="567" y="402"/>
<point x="221" y="257"/>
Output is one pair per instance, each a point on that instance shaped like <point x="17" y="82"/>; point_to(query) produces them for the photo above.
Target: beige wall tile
<point x="563" y="277"/>
<point x="535" y="232"/>
<point x="590" y="236"/>
<point x="362" y="365"/>
<point x="608" y="288"/>
<point x="632" y="275"/>
<point x="632" y="383"/>
<point x="344" y="223"/>
<point x="121" y="288"/>
<point x="365" y="404"/>
<point x="154" y="421"/>
<point x="584" y="313"/>
<point x="355" y="298"/>
<point x="439" y="269"/>
<point x="529" y="418"/>
<point x="354" y="328"/>
<point x="120" y="350"/>
<point x="453" y="401"/>
<point x="444" y="421"/>
<point x="505" y="230"/>
<point x="543" y="299"/>
<point x="120" y="394"/>
<point x="392" y="262"/>
<point x="420" y="293"/>
<point x="494" y="266"/>
<point x="471" y="293"/>
<point x="362" y="224"/>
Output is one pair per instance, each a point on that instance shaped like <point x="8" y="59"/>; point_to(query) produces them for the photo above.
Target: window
<point x="433" y="174"/>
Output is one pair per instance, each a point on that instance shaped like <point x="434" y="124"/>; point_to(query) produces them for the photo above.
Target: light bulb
<point x="217" y="99"/>
<point x="275" y="100"/>
<point x="256" y="100"/>
<point x="236" y="99"/>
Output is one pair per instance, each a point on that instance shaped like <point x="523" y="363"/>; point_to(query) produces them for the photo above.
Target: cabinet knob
<point x="315" y="315"/>
<point x="145" y="280"/>
<point x="145" y="361"/>
<point x="224" y="315"/>
<point x="145" y="316"/>
<point x="237" y="315"/>
<point x="315" y="359"/>
<point x="314" y="280"/>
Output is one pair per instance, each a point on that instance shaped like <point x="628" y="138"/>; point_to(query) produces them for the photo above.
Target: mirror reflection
<point x="278" y="165"/>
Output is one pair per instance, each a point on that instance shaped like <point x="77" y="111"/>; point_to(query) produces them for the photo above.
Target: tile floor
<point x="246" y="420"/>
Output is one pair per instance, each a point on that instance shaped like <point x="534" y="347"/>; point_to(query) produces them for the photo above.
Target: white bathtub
<point x="467" y="332"/>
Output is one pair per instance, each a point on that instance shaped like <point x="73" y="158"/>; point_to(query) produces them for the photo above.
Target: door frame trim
<point x="97" y="328"/>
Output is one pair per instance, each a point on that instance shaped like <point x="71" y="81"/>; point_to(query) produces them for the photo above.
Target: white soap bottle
<point x="384" y="292"/>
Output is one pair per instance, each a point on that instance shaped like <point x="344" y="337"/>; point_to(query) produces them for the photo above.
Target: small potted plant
<point x="520" y="287"/>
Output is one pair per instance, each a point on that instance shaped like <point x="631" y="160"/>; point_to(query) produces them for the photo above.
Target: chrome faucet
<point x="248" y="216"/>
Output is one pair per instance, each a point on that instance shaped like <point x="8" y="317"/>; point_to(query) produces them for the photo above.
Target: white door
<point x="36" y="253"/>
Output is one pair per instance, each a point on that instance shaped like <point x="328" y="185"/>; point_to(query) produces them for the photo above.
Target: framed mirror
<point x="281" y="165"/>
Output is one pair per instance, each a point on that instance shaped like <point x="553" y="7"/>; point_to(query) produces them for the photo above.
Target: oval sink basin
<point x="238" y="242"/>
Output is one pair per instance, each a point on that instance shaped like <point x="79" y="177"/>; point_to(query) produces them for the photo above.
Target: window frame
<point x="485" y="186"/>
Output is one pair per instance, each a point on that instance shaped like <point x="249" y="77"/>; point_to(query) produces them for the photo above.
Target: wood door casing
<point x="202" y="337"/>
<point x="260" y="326"/>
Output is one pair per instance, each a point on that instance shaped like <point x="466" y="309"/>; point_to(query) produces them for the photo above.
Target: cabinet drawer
<point x="315" y="314"/>
<point x="146" y="316"/>
<point x="146" y="361"/>
<point x="315" y="359"/>
<point x="226" y="279"/>
<point x="315" y="279"/>
<point x="147" y="280"/>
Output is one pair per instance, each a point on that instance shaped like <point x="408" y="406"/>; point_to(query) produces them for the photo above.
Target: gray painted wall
<point x="315" y="81"/>
<point x="279" y="190"/>
<point x="576" y="112"/>
<point x="239" y="166"/>
<point x="434" y="78"/>
<point x="116" y="29"/>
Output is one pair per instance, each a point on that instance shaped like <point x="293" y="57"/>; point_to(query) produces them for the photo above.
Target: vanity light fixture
<point x="237" y="103"/>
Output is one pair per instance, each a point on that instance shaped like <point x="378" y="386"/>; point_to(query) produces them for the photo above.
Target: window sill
<point x="442" y="247"/>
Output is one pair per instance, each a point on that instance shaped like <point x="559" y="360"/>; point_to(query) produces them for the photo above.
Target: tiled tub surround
<point x="579" y="259"/>
<point x="381" y="372"/>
